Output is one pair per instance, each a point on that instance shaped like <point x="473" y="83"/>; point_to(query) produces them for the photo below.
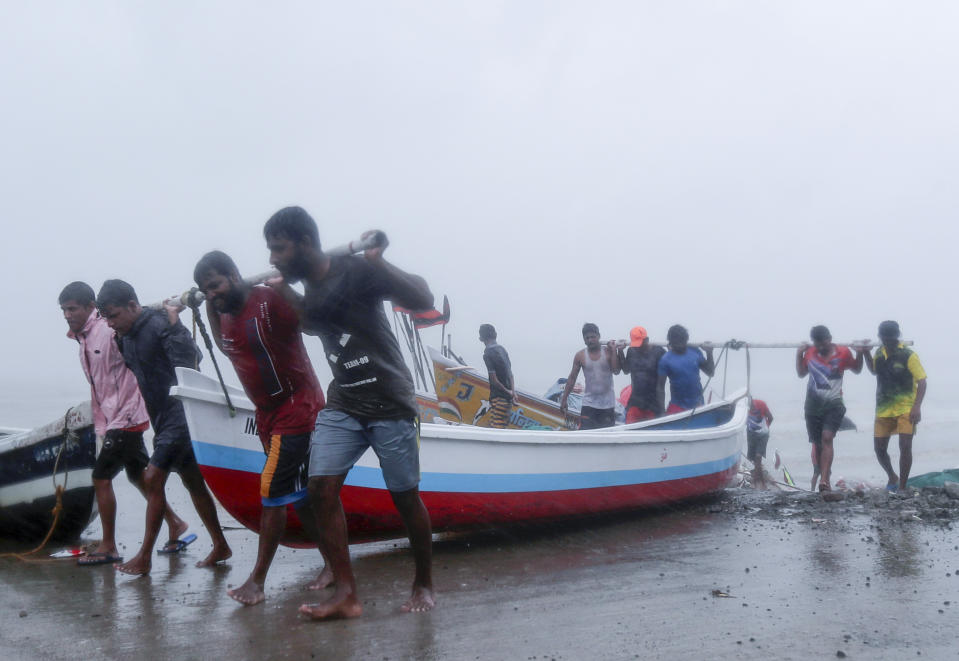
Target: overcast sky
<point x="748" y="169"/>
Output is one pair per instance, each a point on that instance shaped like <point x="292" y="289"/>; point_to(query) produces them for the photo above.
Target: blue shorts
<point x="339" y="440"/>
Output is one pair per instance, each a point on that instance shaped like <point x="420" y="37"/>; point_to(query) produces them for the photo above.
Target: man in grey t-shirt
<point x="502" y="388"/>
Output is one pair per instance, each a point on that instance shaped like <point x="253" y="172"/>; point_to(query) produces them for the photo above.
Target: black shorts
<point x="823" y="417"/>
<point x="173" y="456"/>
<point x="756" y="445"/>
<point x="284" y="476"/>
<point x="591" y="418"/>
<point x="121" y="450"/>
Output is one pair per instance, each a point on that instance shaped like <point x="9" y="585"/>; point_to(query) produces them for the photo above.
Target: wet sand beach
<point x="868" y="577"/>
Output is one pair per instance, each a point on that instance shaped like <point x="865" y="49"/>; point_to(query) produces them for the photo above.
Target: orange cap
<point x="636" y="336"/>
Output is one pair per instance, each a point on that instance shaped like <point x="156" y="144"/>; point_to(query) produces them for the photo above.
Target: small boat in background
<point x="477" y="477"/>
<point x="463" y="396"/>
<point x="33" y="463"/>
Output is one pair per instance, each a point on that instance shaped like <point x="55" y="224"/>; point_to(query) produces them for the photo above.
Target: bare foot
<point x="420" y="601"/>
<point x="324" y="580"/>
<point x="249" y="593"/>
<point x="104" y="549"/>
<point x="336" y="607"/>
<point x="177" y="529"/>
<point x="217" y="555"/>
<point x="139" y="565"/>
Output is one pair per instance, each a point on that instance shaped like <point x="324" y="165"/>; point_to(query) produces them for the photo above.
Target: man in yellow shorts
<point x="900" y="389"/>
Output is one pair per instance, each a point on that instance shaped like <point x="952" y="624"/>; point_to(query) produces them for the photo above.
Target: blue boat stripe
<point x="251" y="461"/>
<point x="220" y="456"/>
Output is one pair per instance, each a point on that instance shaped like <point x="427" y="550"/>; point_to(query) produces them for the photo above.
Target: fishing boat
<point x="474" y="477"/>
<point x="463" y="398"/>
<point x="33" y="463"/>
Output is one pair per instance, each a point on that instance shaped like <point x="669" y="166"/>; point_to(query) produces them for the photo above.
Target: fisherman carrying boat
<point x="681" y="365"/>
<point x="259" y="331"/>
<point x="502" y="387"/>
<point x="599" y="362"/>
<point x="641" y="362"/>
<point x="824" y="363"/>
<point x="153" y="344"/>
<point x="900" y="389"/>
<point x="757" y="437"/>
<point x="119" y="417"/>
<point x="371" y="399"/>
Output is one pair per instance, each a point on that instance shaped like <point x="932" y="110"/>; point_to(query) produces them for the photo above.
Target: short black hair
<point x="819" y="334"/>
<point x="77" y="291"/>
<point x="216" y="261"/>
<point x="889" y="328"/>
<point x="295" y="224"/>
<point x="116" y="293"/>
<point x="589" y="327"/>
<point x="487" y="332"/>
<point x="677" y="332"/>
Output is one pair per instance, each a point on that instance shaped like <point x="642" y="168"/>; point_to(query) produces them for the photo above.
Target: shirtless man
<point x="119" y="417"/>
<point x="371" y="400"/>
<point x="598" y="363"/>
<point x="153" y="343"/>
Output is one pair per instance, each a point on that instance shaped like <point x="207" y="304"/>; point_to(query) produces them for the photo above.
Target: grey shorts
<point x="339" y="440"/>
<point x="756" y="445"/>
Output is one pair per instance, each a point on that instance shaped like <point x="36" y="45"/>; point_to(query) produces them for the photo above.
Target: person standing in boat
<point x="599" y="362"/>
<point x="370" y="402"/>
<point x="259" y="331"/>
<point x="502" y="388"/>
<point x="900" y="389"/>
<point x="641" y="362"/>
<point x="757" y="437"/>
<point x="824" y="363"/>
<point x="153" y="343"/>
<point x="681" y="365"/>
<point x="119" y="417"/>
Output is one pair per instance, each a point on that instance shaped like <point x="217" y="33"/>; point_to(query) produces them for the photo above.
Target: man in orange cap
<point x="641" y="362"/>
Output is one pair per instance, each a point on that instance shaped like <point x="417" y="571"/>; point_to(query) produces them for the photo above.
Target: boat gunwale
<point x="435" y="432"/>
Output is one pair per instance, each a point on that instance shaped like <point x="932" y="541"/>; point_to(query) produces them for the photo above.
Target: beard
<point x="297" y="269"/>
<point x="229" y="303"/>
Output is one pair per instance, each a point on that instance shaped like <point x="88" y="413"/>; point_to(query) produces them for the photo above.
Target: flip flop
<point x="98" y="559"/>
<point x="178" y="545"/>
<point x="892" y="488"/>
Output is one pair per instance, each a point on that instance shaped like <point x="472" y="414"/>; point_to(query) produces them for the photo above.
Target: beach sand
<point x="747" y="575"/>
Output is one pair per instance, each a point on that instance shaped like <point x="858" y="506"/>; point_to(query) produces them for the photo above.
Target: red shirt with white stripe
<point x="264" y="343"/>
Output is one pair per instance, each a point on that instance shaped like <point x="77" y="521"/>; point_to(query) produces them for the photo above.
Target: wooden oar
<point x="374" y="239"/>
<point x="737" y="344"/>
<point x="193" y="298"/>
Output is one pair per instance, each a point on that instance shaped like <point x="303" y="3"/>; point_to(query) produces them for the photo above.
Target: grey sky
<point x="745" y="168"/>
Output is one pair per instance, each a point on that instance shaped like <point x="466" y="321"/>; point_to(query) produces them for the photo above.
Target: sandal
<point x="92" y="559"/>
<point x="824" y="487"/>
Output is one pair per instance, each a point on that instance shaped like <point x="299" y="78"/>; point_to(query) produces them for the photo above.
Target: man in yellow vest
<point x="900" y="389"/>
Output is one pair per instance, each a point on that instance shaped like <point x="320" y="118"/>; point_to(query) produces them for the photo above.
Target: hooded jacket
<point x="152" y="349"/>
<point x="114" y="395"/>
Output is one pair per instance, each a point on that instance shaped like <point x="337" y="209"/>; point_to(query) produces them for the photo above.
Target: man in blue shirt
<point x="682" y="365"/>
